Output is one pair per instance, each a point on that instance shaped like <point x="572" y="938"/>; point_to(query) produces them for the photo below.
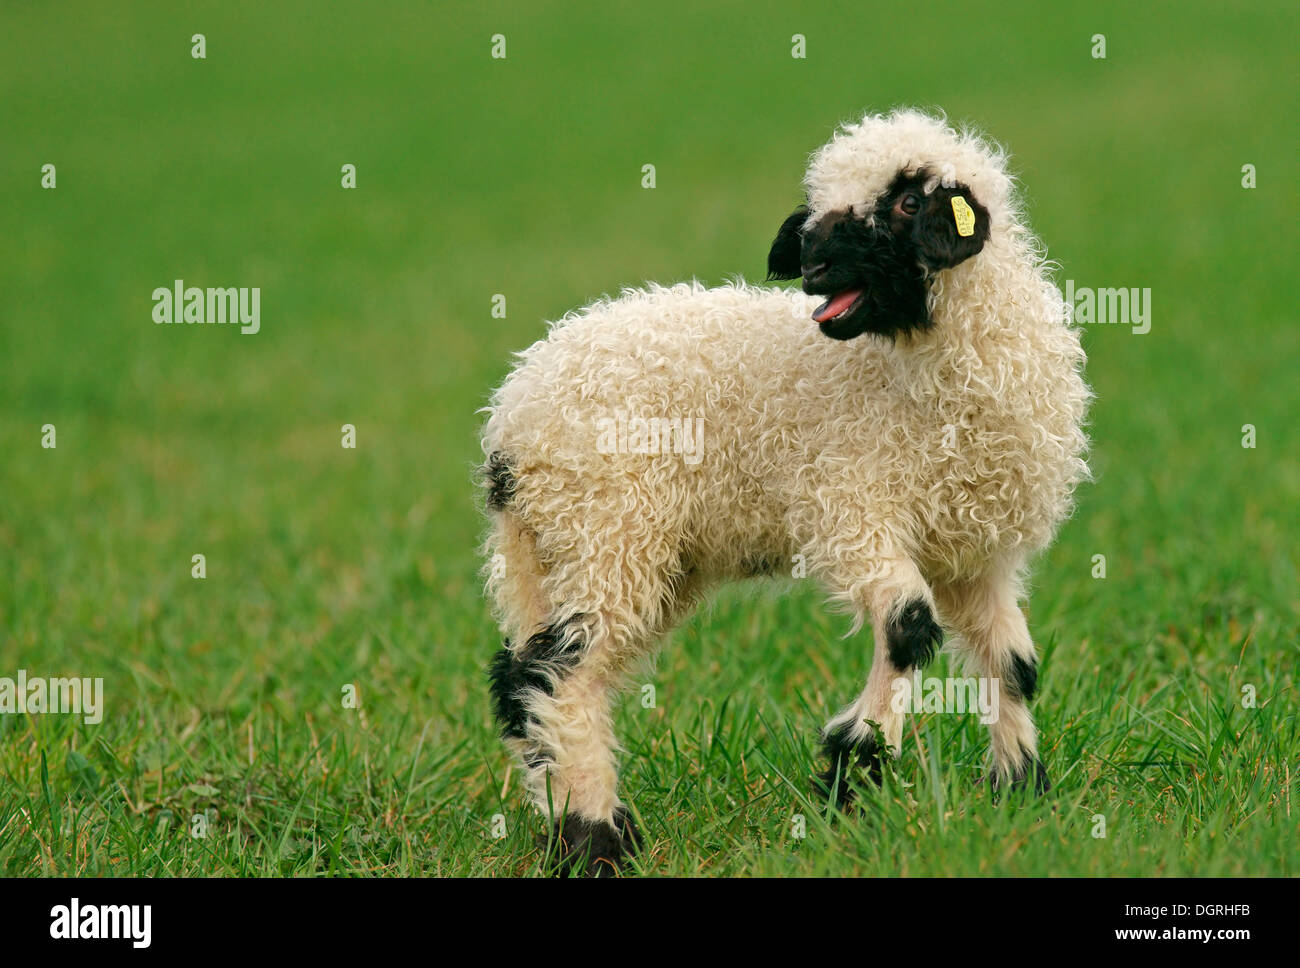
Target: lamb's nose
<point x="810" y="273"/>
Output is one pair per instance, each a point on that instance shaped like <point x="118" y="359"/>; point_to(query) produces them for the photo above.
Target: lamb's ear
<point x="951" y="227"/>
<point x="783" y="261"/>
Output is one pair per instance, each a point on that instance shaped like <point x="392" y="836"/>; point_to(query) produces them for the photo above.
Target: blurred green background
<point x="522" y="177"/>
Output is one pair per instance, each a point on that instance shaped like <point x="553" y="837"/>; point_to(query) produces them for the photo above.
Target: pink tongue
<point x="837" y="305"/>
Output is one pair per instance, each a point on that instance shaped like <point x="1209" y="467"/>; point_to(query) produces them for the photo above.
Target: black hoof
<point x="847" y="757"/>
<point x="580" y="847"/>
<point x="1030" y="776"/>
<point x="913" y="636"/>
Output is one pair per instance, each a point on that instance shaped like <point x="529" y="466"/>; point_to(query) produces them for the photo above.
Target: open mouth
<point x="838" y="306"/>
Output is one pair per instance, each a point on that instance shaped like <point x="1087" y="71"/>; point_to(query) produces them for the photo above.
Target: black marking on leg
<point x="913" y="636"/>
<point x="1022" y="677"/>
<point x="500" y="481"/>
<point x="846" y="754"/>
<point x="507" y="678"/>
<point x="592" y="848"/>
<point x="547" y="654"/>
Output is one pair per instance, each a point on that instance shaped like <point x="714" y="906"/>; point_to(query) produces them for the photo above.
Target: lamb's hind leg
<point x="993" y="639"/>
<point x="870" y="729"/>
<point x="553" y="699"/>
<point x="554" y="694"/>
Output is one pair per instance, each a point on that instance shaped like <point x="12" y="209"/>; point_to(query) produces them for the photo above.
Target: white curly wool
<point x="861" y="159"/>
<point x="929" y="468"/>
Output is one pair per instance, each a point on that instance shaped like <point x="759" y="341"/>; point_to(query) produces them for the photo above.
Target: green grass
<point x="329" y="566"/>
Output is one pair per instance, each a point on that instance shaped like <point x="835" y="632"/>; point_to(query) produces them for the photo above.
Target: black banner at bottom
<point x="334" y="918"/>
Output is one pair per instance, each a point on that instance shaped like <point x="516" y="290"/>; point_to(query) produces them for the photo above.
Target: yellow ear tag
<point x="964" y="216"/>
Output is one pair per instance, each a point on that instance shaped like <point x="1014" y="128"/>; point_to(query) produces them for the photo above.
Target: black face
<point x="876" y="275"/>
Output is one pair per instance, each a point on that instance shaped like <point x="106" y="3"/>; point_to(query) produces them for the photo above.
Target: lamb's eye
<point x="909" y="204"/>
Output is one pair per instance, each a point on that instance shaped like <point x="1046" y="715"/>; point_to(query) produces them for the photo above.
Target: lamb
<point x="916" y="447"/>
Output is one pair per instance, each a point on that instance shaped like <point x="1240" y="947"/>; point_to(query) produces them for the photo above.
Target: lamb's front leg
<point x="993" y="639"/>
<point x="901" y="608"/>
